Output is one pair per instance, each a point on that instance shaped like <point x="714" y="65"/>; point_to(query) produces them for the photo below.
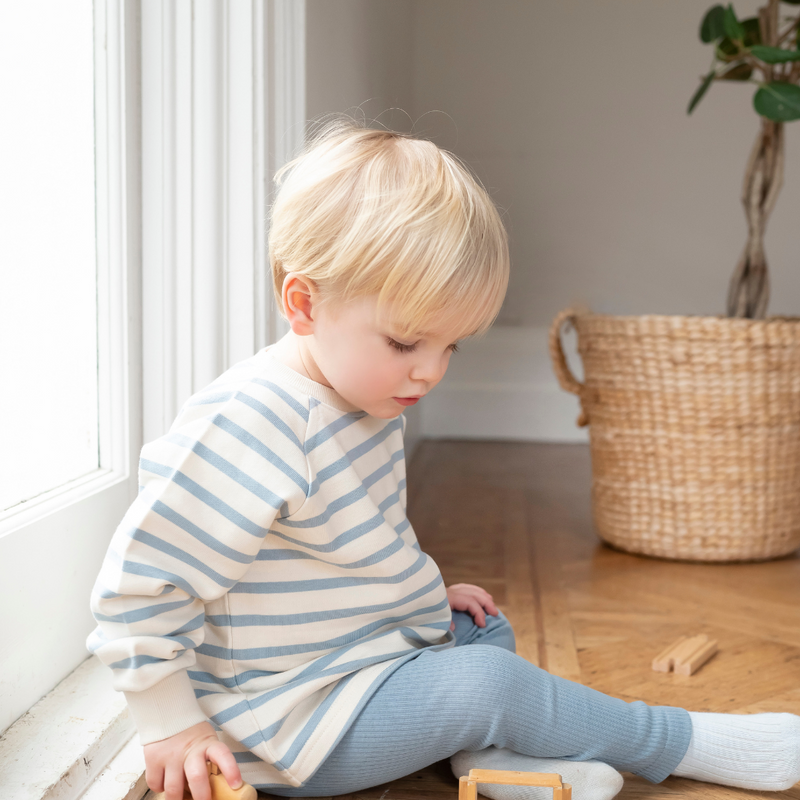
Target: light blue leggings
<point x="480" y="693"/>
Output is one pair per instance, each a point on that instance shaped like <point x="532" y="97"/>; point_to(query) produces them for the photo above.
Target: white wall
<point x="359" y="61"/>
<point x="573" y="114"/>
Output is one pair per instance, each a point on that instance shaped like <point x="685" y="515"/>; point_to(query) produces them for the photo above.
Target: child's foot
<point x="751" y="751"/>
<point x="590" y="780"/>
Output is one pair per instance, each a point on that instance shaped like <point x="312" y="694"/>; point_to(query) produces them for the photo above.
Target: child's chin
<point x="384" y="412"/>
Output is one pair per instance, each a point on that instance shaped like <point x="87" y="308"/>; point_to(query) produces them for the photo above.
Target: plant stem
<point x="748" y="294"/>
<point x="788" y="32"/>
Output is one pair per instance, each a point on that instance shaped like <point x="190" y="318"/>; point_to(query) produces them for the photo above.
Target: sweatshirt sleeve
<point x="209" y="491"/>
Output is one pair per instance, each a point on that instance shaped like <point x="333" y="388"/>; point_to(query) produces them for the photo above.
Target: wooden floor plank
<point x="561" y="655"/>
<point x="523" y="603"/>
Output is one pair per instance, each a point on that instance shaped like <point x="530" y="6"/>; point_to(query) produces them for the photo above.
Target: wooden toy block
<point x="686" y="655"/>
<point x="220" y="788"/>
<point x="468" y="784"/>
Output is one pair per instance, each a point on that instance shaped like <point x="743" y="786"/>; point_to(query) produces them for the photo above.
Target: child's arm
<point x="210" y="490"/>
<point x="473" y="599"/>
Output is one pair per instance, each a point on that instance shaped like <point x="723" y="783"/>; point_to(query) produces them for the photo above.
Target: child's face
<point x="361" y="355"/>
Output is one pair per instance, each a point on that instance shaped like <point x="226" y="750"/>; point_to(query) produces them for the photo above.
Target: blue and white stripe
<point x="268" y="561"/>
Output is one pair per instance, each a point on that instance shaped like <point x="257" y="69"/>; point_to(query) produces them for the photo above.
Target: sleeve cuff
<point x="165" y="709"/>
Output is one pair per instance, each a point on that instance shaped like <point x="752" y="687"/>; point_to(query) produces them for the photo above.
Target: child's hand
<point x="186" y="753"/>
<point x="477" y="601"/>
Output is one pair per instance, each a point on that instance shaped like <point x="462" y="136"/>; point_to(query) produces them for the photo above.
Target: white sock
<point x="751" y="751"/>
<point x="590" y="780"/>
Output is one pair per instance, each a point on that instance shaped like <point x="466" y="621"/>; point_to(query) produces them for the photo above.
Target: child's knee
<point x="501" y="632"/>
<point x="487" y="672"/>
<point x="497" y="631"/>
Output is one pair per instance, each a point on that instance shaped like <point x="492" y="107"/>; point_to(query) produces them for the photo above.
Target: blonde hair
<point x="365" y="211"/>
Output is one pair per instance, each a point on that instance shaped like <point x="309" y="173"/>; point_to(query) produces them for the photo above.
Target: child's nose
<point x="430" y="370"/>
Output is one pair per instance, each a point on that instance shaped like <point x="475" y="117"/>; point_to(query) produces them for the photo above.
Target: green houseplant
<point x="694" y="421"/>
<point x="764" y="50"/>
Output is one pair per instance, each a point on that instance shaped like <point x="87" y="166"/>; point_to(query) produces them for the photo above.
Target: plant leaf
<point x="711" y="28"/>
<point x="701" y="90"/>
<point x="733" y="28"/>
<point x="726" y="50"/>
<point x="738" y="72"/>
<point x="778" y="101"/>
<point x="774" y="55"/>
<point x="752" y="31"/>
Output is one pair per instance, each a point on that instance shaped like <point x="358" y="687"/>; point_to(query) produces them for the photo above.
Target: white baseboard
<point x="503" y="387"/>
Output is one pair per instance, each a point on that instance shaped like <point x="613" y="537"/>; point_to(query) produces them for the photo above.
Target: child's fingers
<point x="221" y="755"/>
<point x="477" y="591"/>
<point x="485" y="599"/>
<point x="173" y="782"/>
<point x="476" y="609"/>
<point x="197" y="775"/>
<point x="154" y="775"/>
<point x="474" y="600"/>
<point x="488" y="603"/>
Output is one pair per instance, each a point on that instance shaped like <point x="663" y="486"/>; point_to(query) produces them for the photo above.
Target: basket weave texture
<point x="694" y="432"/>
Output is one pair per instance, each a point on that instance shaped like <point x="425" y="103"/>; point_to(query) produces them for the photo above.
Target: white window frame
<point x="223" y="94"/>
<point x="175" y="226"/>
<point x="51" y="546"/>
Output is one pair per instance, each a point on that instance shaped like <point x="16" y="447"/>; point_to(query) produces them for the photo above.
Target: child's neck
<point x="292" y="351"/>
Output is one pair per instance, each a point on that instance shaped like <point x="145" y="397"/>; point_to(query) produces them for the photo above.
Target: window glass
<point x="48" y="283"/>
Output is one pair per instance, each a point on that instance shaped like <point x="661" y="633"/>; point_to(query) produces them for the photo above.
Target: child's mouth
<point x="406" y="401"/>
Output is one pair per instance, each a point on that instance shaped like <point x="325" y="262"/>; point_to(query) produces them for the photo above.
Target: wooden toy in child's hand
<point x="686" y="655"/>
<point x="220" y="788"/>
<point x="468" y="784"/>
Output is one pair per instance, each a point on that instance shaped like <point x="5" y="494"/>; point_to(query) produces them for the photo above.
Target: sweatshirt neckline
<point x="325" y="394"/>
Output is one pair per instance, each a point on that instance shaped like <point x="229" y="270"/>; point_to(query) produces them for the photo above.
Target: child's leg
<point x="469" y="698"/>
<point x="590" y="780"/>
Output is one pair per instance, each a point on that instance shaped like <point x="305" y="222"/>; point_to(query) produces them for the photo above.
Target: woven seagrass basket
<point x="694" y="432"/>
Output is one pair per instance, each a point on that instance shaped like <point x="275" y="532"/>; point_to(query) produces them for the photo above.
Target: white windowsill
<point x="71" y="492"/>
<point x="123" y="778"/>
<point x="76" y="742"/>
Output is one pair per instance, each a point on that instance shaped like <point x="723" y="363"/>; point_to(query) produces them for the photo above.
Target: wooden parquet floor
<point x="515" y="519"/>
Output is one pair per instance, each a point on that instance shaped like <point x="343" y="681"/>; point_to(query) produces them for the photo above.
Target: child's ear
<point x="298" y="301"/>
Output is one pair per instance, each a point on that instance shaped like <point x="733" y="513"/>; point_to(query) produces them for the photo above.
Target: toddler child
<point x="264" y="603"/>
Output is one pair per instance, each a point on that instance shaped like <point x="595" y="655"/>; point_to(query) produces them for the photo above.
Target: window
<point x="48" y="302"/>
<point x="70" y="320"/>
<point x="195" y="107"/>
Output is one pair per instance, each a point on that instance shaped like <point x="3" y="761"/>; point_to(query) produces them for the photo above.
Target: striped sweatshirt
<point x="266" y="578"/>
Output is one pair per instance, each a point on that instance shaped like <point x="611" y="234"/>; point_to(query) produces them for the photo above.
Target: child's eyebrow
<point x="395" y="330"/>
<point x="428" y="334"/>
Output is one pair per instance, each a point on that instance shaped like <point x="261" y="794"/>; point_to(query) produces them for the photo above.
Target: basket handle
<point x="468" y="784"/>
<point x="564" y="374"/>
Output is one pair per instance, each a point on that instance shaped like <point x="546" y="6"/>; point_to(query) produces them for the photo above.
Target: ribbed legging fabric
<point x="480" y="693"/>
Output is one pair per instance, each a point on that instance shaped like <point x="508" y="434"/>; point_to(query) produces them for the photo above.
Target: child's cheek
<point x="378" y="378"/>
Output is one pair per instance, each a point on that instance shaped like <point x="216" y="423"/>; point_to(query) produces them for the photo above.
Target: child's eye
<point x="454" y="347"/>
<point x="403" y="348"/>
